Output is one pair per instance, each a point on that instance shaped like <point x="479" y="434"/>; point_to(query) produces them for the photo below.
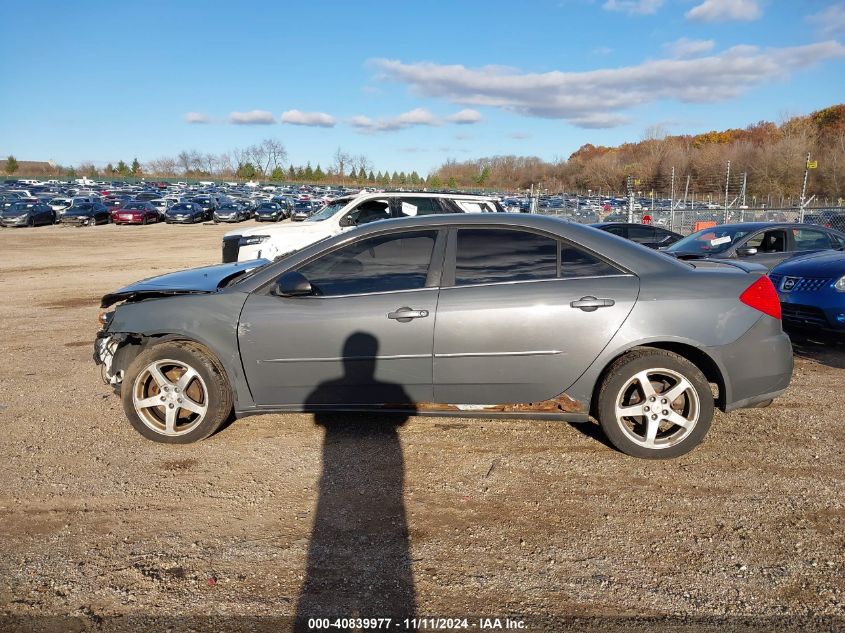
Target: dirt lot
<point x="432" y="516"/>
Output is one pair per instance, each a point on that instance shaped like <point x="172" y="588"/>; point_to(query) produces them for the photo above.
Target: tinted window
<point x="378" y="264"/>
<point x="577" y="263"/>
<point x="418" y="206"/>
<point x="640" y="234"/>
<point x="808" y="240"/>
<point x="615" y="229"/>
<point x="494" y="255"/>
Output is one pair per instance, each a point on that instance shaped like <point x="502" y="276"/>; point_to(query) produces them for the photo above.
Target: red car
<point x="135" y="213"/>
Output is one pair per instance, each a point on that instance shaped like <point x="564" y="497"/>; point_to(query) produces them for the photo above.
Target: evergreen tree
<point x="434" y="182"/>
<point x="300" y="173"/>
<point x="246" y="171"/>
<point x="371" y="177"/>
<point x="309" y="173"/>
<point x="291" y="172"/>
<point x="92" y="172"/>
<point x="136" y="167"/>
<point x="394" y="178"/>
<point x="122" y="168"/>
<point x="277" y="174"/>
<point x="318" y="173"/>
<point x="71" y="172"/>
<point x="11" y="165"/>
<point x="109" y="169"/>
<point x="415" y="178"/>
<point x="452" y="184"/>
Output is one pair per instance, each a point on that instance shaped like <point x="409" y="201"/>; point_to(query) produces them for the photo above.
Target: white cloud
<point x="724" y="10"/>
<point x="412" y="118"/>
<point x="685" y="47"/>
<point x="253" y="117"/>
<point x="197" y="117"/>
<point x="635" y="7"/>
<point x="595" y="98"/>
<point x="831" y="21"/>
<point x="465" y="117"/>
<point x="313" y="119"/>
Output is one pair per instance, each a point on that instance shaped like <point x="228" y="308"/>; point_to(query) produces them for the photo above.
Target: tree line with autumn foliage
<point x="769" y="157"/>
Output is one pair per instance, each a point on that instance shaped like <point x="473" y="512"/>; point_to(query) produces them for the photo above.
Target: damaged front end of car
<point x="114" y="350"/>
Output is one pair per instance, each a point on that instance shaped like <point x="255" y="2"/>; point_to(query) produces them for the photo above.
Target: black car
<point x="185" y="213"/>
<point x="270" y="211"/>
<point x="87" y="214"/>
<point x="645" y="234"/>
<point x="302" y="209"/>
<point x="27" y="214"/>
<point x="231" y="212"/>
<point x="208" y="204"/>
<point x="766" y="243"/>
<point x="146" y="196"/>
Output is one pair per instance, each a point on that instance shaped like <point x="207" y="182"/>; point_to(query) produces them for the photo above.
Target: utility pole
<point x="804" y="188"/>
<point x="742" y="196"/>
<point x="629" y="182"/>
<point x="727" y="186"/>
<point x="672" y="202"/>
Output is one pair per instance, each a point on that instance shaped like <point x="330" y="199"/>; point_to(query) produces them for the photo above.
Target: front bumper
<point x="187" y="220"/>
<point x="819" y="310"/>
<point x="132" y="220"/>
<point x="78" y="221"/>
<point x="5" y="222"/>
<point x="105" y="348"/>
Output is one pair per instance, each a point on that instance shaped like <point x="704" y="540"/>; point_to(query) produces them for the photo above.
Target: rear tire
<point x="655" y="427"/>
<point x="176" y="392"/>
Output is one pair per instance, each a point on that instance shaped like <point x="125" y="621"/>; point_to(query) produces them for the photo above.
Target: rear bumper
<point x="756" y="367"/>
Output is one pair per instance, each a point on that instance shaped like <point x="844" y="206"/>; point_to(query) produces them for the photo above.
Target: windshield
<point x="135" y="205"/>
<point x="716" y="239"/>
<point x="78" y="209"/>
<point x="181" y="207"/>
<point x="59" y="201"/>
<point x="327" y="211"/>
<point x="229" y="207"/>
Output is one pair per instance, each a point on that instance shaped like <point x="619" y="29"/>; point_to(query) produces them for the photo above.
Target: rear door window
<point x="575" y="262"/>
<point x="503" y="255"/>
<point x="810" y="240"/>
<point x="412" y="207"/>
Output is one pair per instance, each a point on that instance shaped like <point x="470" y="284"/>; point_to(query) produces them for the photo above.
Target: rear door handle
<point x="405" y="314"/>
<point x="591" y="304"/>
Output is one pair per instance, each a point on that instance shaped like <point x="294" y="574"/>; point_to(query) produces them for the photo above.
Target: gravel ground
<point x="380" y="516"/>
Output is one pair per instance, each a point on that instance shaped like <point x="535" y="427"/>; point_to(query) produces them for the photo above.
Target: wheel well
<point x="693" y="354"/>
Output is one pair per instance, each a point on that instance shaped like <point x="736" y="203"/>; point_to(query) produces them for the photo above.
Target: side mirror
<point x="347" y="220"/>
<point x="293" y="284"/>
<point x="746" y="251"/>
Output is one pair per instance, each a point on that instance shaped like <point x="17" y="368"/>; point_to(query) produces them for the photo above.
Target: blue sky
<point x="408" y="84"/>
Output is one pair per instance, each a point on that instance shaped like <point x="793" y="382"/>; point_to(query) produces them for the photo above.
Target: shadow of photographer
<point x="359" y="562"/>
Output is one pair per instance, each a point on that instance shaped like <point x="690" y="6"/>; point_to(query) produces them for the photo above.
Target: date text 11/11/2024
<point x="421" y="623"/>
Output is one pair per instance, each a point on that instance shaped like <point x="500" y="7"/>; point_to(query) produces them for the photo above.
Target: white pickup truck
<point x="271" y="242"/>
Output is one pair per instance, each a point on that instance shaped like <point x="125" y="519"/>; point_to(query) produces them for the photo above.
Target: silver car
<point x="488" y="315"/>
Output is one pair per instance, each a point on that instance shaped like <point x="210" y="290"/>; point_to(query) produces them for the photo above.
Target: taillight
<point x="762" y="296"/>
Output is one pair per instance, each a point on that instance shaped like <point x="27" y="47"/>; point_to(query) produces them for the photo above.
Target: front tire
<point x="654" y="404"/>
<point x="176" y="392"/>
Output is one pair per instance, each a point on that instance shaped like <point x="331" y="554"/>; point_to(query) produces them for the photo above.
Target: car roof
<point x="627" y="254"/>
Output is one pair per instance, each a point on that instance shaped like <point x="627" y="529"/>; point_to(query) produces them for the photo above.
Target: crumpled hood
<point x="194" y="280"/>
<point x="823" y="264"/>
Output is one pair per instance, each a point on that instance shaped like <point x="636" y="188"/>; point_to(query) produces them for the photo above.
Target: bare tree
<point x="342" y="160"/>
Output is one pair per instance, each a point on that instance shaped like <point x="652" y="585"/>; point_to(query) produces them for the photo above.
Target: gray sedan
<point x="765" y="243"/>
<point x="487" y="315"/>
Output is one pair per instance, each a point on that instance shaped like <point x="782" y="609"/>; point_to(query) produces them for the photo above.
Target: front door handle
<point x="405" y="314"/>
<point x="591" y="304"/>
